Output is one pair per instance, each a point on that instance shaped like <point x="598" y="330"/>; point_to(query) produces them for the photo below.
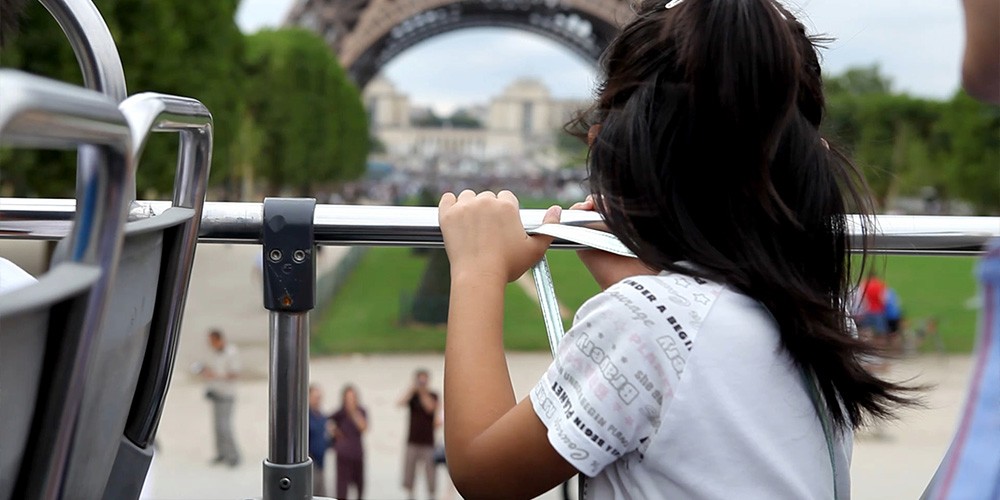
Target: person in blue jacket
<point x="319" y="439"/>
<point x="893" y="319"/>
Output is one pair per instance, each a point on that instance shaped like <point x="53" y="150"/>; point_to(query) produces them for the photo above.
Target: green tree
<point x="39" y="47"/>
<point x="891" y="136"/>
<point x="862" y="80"/>
<point x="428" y="120"/>
<point x="184" y="48"/>
<point x="572" y="150"/>
<point x="463" y="119"/>
<point x="313" y="124"/>
<point x="969" y="153"/>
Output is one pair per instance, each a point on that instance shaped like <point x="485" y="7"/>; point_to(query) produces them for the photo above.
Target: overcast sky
<point x="918" y="44"/>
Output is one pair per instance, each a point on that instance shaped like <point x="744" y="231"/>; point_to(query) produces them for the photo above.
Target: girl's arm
<point x="495" y="447"/>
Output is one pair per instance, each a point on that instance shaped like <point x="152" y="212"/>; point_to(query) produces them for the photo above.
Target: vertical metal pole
<point x="552" y="317"/>
<point x="289" y="293"/>
<point x="549" y="304"/>
<point x="288" y="386"/>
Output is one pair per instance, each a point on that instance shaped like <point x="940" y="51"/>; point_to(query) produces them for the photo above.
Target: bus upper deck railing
<point x="367" y="225"/>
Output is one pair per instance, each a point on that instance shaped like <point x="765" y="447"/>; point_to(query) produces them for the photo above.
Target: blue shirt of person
<point x="893" y="309"/>
<point x="318" y="439"/>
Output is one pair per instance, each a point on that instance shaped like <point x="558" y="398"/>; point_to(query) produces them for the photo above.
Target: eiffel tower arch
<point x="367" y="34"/>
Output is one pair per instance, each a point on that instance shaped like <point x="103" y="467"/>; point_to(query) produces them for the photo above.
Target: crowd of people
<point x="342" y="432"/>
<point x="401" y="187"/>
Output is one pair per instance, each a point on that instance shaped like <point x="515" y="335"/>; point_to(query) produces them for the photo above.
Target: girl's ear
<point x="592" y="133"/>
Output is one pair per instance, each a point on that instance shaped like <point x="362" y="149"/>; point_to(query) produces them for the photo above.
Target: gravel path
<point x="896" y="465"/>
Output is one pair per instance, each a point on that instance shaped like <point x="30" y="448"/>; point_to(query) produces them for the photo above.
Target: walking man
<point x="423" y="405"/>
<point x="221" y="374"/>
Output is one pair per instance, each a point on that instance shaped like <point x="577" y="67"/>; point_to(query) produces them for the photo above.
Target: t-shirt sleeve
<point x="601" y="398"/>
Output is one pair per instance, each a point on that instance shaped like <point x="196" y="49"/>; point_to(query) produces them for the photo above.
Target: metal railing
<point x="150" y="113"/>
<point x="367" y="225"/>
<point x="97" y="55"/>
<point x="40" y="113"/>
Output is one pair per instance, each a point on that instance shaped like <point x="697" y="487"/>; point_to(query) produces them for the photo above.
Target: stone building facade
<point x="518" y="133"/>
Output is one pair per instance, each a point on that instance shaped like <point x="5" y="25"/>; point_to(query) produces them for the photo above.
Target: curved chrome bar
<point x="97" y="56"/>
<point x="92" y="44"/>
<point x="363" y="225"/>
<point x="151" y="112"/>
<point x="148" y="113"/>
<point x="37" y="112"/>
<point x="42" y="113"/>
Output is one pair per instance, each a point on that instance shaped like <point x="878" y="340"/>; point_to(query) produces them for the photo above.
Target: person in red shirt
<point x="873" y="300"/>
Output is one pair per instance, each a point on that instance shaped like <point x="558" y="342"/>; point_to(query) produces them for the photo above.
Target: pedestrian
<point x="349" y="423"/>
<point x="721" y="362"/>
<point x="423" y="406"/>
<point x="221" y="373"/>
<point x="894" y="321"/>
<point x="874" y="319"/>
<point x="319" y="439"/>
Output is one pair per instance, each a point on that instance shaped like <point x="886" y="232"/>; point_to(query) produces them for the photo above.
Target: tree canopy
<point x="905" y="144"/>
<point x="195" y="49"/>
<point x="313" y="123"/>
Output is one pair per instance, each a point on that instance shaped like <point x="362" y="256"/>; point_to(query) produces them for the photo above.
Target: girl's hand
<point x="483" y="234"/>
<point x="608" y="268"/>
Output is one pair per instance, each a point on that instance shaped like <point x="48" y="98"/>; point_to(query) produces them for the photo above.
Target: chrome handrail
<point x="97" y="55"/>
<point x="151" y="112"/>
<point x="366" y="225"/>
<point x="147" y="113"/>
<point x="92" y="44"/>
<point x="42" y="113"/>
<point x="38" y="112"/>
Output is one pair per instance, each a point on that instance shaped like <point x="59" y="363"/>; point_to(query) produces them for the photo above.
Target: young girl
<point x="720" y="364"/>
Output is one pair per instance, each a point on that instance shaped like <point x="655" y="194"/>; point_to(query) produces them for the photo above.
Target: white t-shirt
<point x="13" y="277"/>
<point x="671" y="387"/>
<point x="224" y="364"/>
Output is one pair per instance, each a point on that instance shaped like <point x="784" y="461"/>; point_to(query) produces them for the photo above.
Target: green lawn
<point x="364" y="317"/>
<point x="942" y="287"/>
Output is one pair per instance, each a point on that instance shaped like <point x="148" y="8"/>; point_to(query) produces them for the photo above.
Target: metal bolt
<point x="275" y="255"/>
<point x="299" y="256"/>
<point x="285" y="483"/>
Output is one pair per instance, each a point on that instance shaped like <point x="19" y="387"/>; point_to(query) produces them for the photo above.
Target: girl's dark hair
<point x="709" y="152"/>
